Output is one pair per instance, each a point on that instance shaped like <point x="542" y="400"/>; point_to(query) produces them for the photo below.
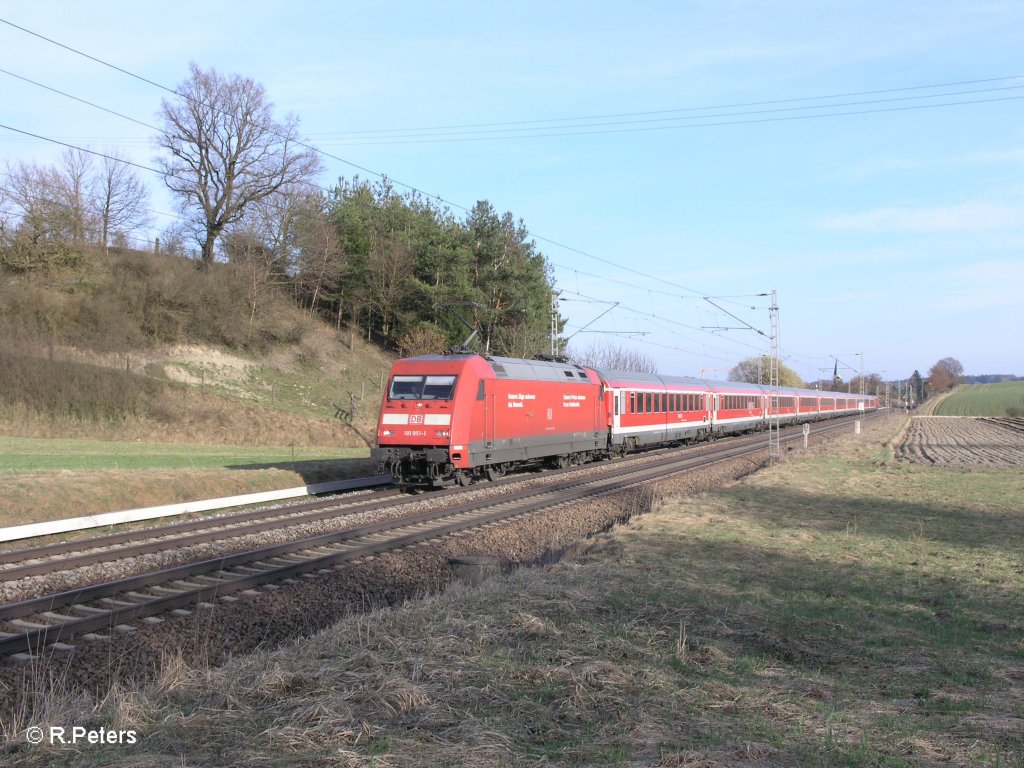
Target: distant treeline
<point x="990" y="378"/>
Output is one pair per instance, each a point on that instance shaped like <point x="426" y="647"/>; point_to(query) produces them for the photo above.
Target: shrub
<point x="424" y="339"/>
<point x="23" y="254"/>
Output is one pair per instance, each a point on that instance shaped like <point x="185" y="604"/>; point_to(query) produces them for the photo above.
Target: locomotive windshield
<point x="422" y="388"/>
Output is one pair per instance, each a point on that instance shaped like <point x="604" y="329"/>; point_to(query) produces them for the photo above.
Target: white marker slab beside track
<point x="51" y="527"/>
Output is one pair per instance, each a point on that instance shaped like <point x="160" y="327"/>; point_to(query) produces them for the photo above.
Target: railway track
<point x="51" y="620"/>
<point x="77" y="553"/>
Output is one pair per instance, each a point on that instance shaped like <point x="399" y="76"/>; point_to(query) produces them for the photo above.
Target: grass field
<point x="1003" y="399"/>
<point x="22" y="454"/>
<point x="49" y="479"/>
<point x="836" y="610"/>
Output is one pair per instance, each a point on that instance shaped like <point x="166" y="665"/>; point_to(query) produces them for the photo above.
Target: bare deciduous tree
<point x="389" y="265"/>
<point x="263" y="243"/>
<point x="7" y="217"/>
<point x="71" y="189"/>
<point x="872" y="384"/>
<point x="226" y="151"/>
<point x="38" y="218"/>
<point x="613" y="357"/>
<point x="71" y="204"/>
<point x="756" y="370"/>
<point x="119" y="198"/>
<point x="945" y="374"/>
<point x="320" y="259"/>
<point x="175" y="238"/>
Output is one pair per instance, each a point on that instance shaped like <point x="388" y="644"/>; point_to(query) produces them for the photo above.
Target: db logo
<point x="416" y="418"/>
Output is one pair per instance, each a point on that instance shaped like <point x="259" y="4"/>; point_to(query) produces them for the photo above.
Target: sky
<point x="674" y="161"/>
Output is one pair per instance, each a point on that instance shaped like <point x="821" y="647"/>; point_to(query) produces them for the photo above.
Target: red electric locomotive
<point x="447" y="418"/>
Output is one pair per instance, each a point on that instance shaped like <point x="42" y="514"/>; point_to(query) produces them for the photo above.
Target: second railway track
<point x="62" y="556"/>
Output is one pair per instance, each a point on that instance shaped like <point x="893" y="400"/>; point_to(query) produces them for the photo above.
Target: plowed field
<point x="961" y="441"/>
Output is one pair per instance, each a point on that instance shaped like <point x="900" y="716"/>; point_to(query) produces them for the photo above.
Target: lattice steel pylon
<point x="774" y="425"/>
<point x="554" y="324"/>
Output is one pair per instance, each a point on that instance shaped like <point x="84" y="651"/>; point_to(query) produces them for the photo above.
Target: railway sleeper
<point x="184" y="586"/>
<point x="58" y="617"/>
<point x="166" y="591"/>
<point x="87" y="610"/>
<point x="116" y="603"/>
<point x="29" y="625"/>
<point x="210" y="580"/>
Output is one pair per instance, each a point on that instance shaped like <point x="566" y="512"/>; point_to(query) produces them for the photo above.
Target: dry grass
<point x="834" y="610"/>
<point x="141" y="347"/>
<point x="265" y="406"/>
<point x="33" y="497"/>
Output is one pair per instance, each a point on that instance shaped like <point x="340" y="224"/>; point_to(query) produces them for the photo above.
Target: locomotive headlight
<point x="442" y="433"/>
<point x="388" y="433"/>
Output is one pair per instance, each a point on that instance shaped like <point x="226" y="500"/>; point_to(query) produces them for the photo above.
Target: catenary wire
<point x="689" y="126"/>
<point x="521" y="132"/>
<point x="682" y="109"/>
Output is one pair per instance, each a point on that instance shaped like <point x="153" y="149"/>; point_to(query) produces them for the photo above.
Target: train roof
<point x="634" y="378"/>
<point x="520" y="369"/>
<point x="537" y="370"/>
<point x="565" y="372"/>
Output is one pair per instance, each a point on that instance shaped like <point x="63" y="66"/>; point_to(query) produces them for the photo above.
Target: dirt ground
<point x="961" y="441"/>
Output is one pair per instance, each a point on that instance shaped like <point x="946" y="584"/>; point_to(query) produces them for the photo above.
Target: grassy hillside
<point x="141" y="347"/>
<point x="1003" y="399"/>
<point x="147" y="354"/>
